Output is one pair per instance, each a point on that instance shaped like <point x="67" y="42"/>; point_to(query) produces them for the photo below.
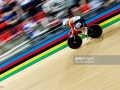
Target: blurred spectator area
<point x="46" y="13"/>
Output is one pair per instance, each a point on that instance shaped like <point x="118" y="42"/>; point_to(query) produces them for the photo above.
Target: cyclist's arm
<point x="71" y="26"/>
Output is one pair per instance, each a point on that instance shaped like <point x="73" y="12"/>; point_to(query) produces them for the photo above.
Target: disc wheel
<point x="97" y="31"/>
<point x="74" y="42"/>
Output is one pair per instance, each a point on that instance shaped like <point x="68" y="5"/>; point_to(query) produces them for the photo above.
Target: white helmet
<point x="65" y="21"/>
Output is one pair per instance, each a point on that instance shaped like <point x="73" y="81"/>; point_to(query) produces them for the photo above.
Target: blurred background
<point x="23" y="21"/>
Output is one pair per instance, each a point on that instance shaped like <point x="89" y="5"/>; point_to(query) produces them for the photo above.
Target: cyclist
<point x="76" y="23"/>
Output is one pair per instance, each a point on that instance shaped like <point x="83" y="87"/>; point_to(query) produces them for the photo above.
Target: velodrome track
<point x="6" y="76"/>
<point x="57" y="72"/>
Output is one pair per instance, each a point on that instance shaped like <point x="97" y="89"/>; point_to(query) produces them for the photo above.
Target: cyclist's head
<point x="65" y="22"/>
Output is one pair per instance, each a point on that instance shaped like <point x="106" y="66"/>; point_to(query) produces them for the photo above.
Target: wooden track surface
<point x="58" y="72"/>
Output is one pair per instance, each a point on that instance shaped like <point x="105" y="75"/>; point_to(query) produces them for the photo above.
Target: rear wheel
<point x="95" y="31"/>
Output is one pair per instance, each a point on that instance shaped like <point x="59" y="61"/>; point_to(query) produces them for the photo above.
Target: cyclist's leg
<point x="81" y="28"/>
<point x="84" y="27"/>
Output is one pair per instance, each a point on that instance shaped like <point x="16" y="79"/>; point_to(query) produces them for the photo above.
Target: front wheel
<point x="95" y="31"/>
<point x="74" y="42"/>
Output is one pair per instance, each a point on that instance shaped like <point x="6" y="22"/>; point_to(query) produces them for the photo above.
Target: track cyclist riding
<point x="76" y="23"/>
